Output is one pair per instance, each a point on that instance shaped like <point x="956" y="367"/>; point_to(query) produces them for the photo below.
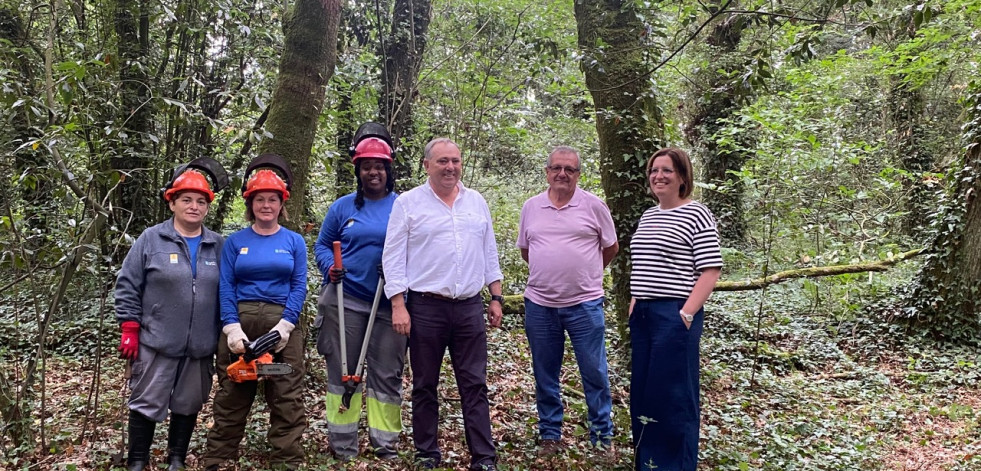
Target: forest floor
<point x="806" y="393"/>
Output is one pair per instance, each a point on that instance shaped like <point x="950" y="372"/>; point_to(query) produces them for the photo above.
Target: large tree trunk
<point x="628" y="120"/>
<point x="400" y="73"/>
<point x="944" y="299"/>
<point x="718" y="93"/>
<point x="309" y="56"/>
<point x="132" y="155"/>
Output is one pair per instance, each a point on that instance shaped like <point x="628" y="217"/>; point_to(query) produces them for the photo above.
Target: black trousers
<point x="438" y="324"/>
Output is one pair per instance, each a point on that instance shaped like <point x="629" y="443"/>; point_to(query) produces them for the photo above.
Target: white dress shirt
<point x="431" y="247"/>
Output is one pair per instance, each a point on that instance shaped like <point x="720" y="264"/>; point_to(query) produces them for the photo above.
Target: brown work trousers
<point x="284" y="395"/>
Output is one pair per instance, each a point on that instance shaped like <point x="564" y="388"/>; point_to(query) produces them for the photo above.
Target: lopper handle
<point x="337" y="255"/>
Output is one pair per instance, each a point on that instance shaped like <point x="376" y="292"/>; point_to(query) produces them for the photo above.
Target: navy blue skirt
<point x="664" y="386"/>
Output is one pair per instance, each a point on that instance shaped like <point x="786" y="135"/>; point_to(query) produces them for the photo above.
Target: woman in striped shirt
<point x="676" y="260"/>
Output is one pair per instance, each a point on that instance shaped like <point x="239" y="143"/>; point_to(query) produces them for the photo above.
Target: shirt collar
<point x="576" y="199"/>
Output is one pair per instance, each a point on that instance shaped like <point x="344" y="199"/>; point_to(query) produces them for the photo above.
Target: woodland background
<point x="825" y="133"/>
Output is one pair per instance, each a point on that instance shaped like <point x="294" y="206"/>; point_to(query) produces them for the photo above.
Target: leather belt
<point x="441" y="297"/>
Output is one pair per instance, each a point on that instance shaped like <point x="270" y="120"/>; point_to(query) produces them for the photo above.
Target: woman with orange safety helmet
<point x="359" y="221"/>
<point x="263" y="286"/>
<point x="167" y="305"/>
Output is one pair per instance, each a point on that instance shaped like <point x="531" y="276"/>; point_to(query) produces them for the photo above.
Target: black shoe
<point x="426" y="463"/>
<point x="176" y="464"/>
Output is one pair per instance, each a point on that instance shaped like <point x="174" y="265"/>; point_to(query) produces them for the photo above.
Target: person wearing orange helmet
<point x="359" y="221"/>
<point x="166" y="301"/>
<point x="263" y="287"/>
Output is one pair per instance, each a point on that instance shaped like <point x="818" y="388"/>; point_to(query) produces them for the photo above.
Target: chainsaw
<point x="257" y="362"/>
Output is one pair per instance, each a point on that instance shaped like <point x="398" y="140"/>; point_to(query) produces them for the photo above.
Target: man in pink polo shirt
<point x="566" y="235"/>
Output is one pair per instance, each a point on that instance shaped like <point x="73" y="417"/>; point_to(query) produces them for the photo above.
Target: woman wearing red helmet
<point x="263" y="286"/>
<point x="167" y="304"/>
<point x="359" y="221"/>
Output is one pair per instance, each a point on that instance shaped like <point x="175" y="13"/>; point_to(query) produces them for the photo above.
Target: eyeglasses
<point x="559" y="168"/>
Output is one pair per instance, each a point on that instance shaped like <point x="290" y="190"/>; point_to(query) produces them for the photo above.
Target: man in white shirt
<point x="439" y="253"/>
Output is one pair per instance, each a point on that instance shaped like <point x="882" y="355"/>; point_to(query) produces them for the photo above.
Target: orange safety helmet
<point x="266" y="180"/>
<point x="190" y="180"/>
<point x="372" y="148"/>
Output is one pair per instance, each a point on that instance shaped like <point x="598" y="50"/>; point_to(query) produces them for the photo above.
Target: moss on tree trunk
<point x="628" y="120"/>
<point x="307" y="63"/>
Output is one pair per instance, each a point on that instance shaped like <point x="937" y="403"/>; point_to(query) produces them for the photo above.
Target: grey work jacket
<point x="178" y="313"/>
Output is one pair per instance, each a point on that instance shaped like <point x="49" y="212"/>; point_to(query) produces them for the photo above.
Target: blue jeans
<point x="546" y="328"/>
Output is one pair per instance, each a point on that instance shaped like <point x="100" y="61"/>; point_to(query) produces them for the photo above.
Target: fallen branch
<point x="814" y="272"/>
<point x="514" y="303"/>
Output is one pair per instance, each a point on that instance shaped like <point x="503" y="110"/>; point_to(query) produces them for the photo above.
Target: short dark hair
<point x="682" y="165"/>
<point x="250" y="216"/>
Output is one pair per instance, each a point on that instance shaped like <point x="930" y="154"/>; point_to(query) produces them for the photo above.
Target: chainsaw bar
<point x="273" y="369"/>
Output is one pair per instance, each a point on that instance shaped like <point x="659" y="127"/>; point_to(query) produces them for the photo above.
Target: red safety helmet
<point x="266" y="180"/>
<point x="372" y="148"/>
<point x="190" y="180"/>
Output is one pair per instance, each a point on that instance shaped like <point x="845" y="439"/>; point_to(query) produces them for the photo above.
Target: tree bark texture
<point x="132" y="153"/>
<point x="309" y="56"/>
<point x="629" y="123"/>
<point x="400" y="73"/>
<point x="717" y="97"/>
<point x="945" y="298"/>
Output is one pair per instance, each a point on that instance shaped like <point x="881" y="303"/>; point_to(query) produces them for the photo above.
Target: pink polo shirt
<point x="565" y="248"/>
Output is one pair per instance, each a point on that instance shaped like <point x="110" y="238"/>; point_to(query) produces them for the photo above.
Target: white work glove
<point x="284" y="327"/>
<point x="236" y="338"/>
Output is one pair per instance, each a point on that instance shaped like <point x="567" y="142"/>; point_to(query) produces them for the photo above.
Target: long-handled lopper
<point x="342" y="333"/>
<point x="351" y="382"/>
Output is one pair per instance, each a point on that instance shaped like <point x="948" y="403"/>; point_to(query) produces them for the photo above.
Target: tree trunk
<point x="400" y="73"/>
<point x="309" y="56"/>
<point x="629" y="123"/>
<point x="132" y="153"/>
<point x="944" y="300"/>
<point x="718" y="95"/>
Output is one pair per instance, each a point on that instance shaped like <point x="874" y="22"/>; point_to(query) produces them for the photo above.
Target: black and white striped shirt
<point x="670" y="249"/>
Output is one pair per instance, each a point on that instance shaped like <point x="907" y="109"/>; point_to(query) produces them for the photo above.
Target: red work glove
<point x="129" y="345"/>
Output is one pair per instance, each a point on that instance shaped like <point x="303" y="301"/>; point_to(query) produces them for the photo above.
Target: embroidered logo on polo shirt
<point x="281" y="251"/>
<point x="243" y="251"/>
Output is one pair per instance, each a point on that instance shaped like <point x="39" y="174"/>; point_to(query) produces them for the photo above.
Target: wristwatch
<point x="687" y="317"/>
<point x="498" y="298"/>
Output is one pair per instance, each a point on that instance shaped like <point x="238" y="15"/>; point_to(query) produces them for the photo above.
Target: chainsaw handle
<point x="337" y="255"/>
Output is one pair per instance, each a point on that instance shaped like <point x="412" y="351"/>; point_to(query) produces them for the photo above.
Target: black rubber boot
<point x="140" y="439"/>
<point x="181" y="427"/>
